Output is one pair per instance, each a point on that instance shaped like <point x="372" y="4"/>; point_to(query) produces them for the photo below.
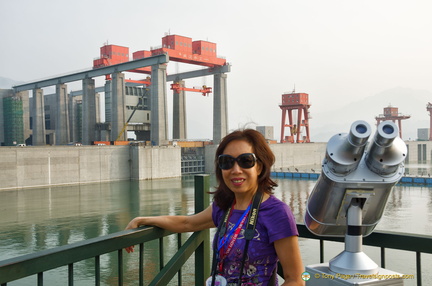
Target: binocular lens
<point x="361" y="128"/>
<point x="388" y="129"/>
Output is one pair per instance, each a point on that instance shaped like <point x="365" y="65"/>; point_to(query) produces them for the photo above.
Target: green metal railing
<point x="40" y="262"/>
<point x="198" y="243"/>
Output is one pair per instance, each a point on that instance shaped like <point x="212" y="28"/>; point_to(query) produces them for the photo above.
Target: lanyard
<point x="231" y="236"/>
<point x="249" y="234"/>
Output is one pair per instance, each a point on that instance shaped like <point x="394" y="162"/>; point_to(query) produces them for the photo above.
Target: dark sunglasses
<point x="245" y="161"/>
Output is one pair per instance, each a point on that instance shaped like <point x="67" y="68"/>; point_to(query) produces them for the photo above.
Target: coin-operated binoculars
<point x="349" y="199"/>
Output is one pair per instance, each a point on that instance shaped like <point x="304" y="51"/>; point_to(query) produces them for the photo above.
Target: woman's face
<point x="241" y="181"/>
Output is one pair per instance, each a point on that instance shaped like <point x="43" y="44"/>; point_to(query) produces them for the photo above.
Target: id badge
<point x="219" y="281"/>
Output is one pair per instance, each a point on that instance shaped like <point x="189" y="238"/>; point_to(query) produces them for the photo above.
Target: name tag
<point x="219" y="281"/>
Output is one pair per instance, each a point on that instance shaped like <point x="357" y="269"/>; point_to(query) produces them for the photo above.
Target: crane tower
<point x="429" y="108"/>
<point x="295" y="102"/>
<point x="392" y="113"/>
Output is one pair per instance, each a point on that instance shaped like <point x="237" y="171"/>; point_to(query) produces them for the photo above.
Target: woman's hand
<point x="130" y="249"/>
<point x="134" y="223"/>
<point x="179" y="224"/>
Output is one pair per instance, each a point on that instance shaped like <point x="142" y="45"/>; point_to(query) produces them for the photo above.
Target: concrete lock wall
<point x="155" y="162"/>
<point x="298" y="155"/>
<point x="419" y="151"/>
<point x="33" y="166"/>
<point x="286" y="155"/>
<point x="24" y="167"/>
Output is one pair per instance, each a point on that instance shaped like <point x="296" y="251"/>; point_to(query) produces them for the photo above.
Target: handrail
<point x="177" y="261"/>
<point x="386" y="239"/>
<point x="42" y="261"/>
<point x="31" y="264"/>
<point x="39" y="262"/>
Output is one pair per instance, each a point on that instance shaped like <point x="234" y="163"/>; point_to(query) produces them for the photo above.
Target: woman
<point x="243" y="162"/>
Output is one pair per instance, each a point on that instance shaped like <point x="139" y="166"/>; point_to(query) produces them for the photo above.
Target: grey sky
<point x="337" y="51"/>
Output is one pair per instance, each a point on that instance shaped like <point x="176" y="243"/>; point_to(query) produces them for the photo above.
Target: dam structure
<point x="139" y="106"/>
<point x="68" y="119"/>
<point x="68" y="138"/>
<point x="38" y="166"/>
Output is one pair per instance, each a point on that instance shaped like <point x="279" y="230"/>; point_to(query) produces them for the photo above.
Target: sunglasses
<point x="245" y="161"/>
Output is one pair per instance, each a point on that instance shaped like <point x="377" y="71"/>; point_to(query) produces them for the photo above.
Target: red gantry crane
<point x="179" y="49"/>
<point x="392" y="113"/>
<point x="295" y="102"/>
<point x="204" y="90"/>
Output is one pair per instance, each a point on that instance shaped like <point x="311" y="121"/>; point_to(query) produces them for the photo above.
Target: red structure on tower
<point x="429" y="108"/>
<point x="111" y="55"/>
<point x="392" y="113"/>
<point x="295" y="102"/>
<point x="179" y="49"/>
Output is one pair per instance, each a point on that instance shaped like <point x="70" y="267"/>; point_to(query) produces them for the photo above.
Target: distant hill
<point x="7" y="83"/>
<point x="409" y="101"/>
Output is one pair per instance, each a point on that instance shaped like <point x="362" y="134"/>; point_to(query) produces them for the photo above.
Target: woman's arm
<point x="192" y="223"/>
<point x="288" y="252"/>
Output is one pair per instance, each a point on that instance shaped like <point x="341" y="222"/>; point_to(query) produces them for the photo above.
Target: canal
<point x="41" y="218"/>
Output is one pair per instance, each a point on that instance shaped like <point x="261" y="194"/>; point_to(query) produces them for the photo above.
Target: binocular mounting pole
<point x="353" y="260"/>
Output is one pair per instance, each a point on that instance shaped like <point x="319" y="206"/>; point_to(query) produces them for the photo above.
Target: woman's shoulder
<point x="278" y="219"/>
<point x="217" y="212"/>
<point x="273" y="202"/>
<point x="273" y="206"/>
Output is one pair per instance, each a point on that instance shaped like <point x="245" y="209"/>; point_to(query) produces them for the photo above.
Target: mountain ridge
<point x="7" y="83"/>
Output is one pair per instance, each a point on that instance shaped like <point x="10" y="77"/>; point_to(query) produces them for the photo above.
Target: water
<point x="36" y="219"/>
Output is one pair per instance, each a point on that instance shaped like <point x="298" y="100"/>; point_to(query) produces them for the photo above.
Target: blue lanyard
<point x="248" y="235"/>
<point x="224" y="239"/>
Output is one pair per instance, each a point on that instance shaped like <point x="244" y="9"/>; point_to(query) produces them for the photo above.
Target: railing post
<point x="418" y="268"/>
<point x="40" y="279"/>
<point x="202" y="254"/>
<point x="161" y="253"/>
<point x="70" y="275"/>
<point x="321" y="251"/>
<point x="141" y="265"/>
<point x="179" y="245"/>
<point x="202" y="188"/>
<point x="120" y="266"/>
<point x="97" y="270"/>
<point x="383" y="257"/>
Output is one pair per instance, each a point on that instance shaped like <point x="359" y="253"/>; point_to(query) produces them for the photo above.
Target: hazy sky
<point x="336" y="51"/>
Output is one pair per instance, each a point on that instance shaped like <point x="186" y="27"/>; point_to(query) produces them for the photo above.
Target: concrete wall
<point x="24" y="167"/>
<point x="287" y="155"/>
<point x="209" y="155"/>
<point x="34" y="166"/>
<point x="155" y="162"/>
<point x="298" y="155"/>
<point x="310" y="155"/>
<point x="419" y="151"/>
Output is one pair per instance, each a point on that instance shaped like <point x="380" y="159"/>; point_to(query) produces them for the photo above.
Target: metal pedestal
<point x="320" y="275"/>
<point x="352" y="266"/>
